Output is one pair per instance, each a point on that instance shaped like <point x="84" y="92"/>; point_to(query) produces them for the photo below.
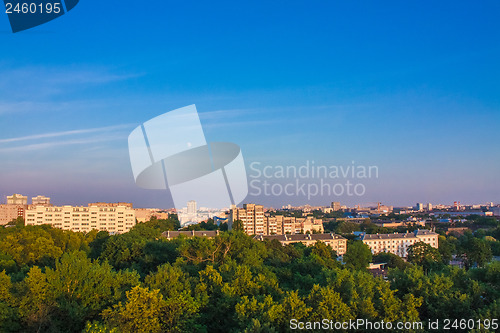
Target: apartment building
<point x="308" y="225"/>
<point x="255" y="223"/>
<point x="398" y="243"/>
<point x="40" y="200"/>
<point x="241" y="214"/>
<point x="113" y="218"/>
<point x="252" y="217"/>
<point x="255" y="215"/>
<point x="17" y="199"/>
<point x="338" y="243"/>
<point x="11" y="212"/>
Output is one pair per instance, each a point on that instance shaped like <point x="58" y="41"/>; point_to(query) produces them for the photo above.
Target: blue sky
<point x="411" y="87"/>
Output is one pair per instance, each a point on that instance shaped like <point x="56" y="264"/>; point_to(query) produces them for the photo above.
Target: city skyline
<point x="330" y="83"/>
<point x="191" y="206"/>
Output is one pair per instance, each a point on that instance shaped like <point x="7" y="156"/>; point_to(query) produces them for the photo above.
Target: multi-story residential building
<point x="112" y="218"/>
<point x="335" y="206"/>
<point x="338" y="243"/>
<point x="273" y="226"/>
<point x="17" y="199"/>
<point x="288" y="225"/>
<point x="255" y="215"/>
<point x="40" y="200"/>
<point x="191" y="207"/>
<point x="398" y="243"/>
<point x="241" y="215"/>
<point x="11" y="212"/>
<point x="255" y="223"/>
<point x="252" y="217"/>
<point x="308" y="225"/>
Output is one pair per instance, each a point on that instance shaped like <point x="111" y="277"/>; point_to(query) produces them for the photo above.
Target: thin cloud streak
<point x="66" y="133"/>
<point x="47" y="145"/>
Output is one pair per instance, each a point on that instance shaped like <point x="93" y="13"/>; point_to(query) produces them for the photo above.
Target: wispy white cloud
<point x="91" y="137"/>
<point x="222" y="114"/>
<point x="35" y="83"/>
<point x="53" y="144"/>
<point x="66" y="133"/>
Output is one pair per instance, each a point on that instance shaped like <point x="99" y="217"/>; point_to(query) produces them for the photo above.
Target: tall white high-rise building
<point x="191" y="207"/>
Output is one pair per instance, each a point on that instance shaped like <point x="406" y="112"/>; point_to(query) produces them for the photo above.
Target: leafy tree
<point x="38" y="303"/>
<point x="327" y="303"/>
<point x="424" y="255"/>
<point x="181" y="309"/>
<point x="139" y="281"/>
<point x="474" y="251"/>
<point x="98" y="327"/>
<point x="262" y="309"/>
<point x="237" y="225"/>
<point x="294" y="307"/>
<point x="223" y="226"/>
<point x="347" y="227"/>
<point x="8" y="313"/>
<point x="392" y="260"/>
<point x="98" y="243"/>
<point x="446" y="248"/>
<point x="358" y="255"/>
<point x="139" y="314"/>
<point x="19" y="221"/>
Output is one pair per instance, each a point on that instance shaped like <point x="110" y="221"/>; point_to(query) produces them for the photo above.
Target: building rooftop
<point x="396" y="235"/>
<point x="191" y="233"/>
<point x="299" y="237"/>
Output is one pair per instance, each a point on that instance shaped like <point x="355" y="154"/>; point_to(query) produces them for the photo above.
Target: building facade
<point x="145" y="214"/>
<point x="113" y="219"/>
<point x="252" y="218"/>
<point x="338" y="243"/>
<point x="40" y="200"/>
<point x="11" y="212"/>
<point x="335" y="206"/>
<point x="17" y="199"/>
<point x="191" y="207"/>
<point x="256" y="223"/>
<point x="398" y="243"/>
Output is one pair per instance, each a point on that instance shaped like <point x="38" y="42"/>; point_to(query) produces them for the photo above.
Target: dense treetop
<point x="60" y="281"/>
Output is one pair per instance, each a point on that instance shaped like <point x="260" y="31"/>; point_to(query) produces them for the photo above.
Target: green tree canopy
<point x="358" y="255"/>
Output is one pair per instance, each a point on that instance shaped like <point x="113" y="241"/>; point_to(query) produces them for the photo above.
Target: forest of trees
<point x="61" y="281"/>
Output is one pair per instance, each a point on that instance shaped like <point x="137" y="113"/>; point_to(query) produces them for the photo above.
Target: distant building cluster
<point x="193" y="215"/>
<point x="145" y="214"/>
<point x="255" y="222"/>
